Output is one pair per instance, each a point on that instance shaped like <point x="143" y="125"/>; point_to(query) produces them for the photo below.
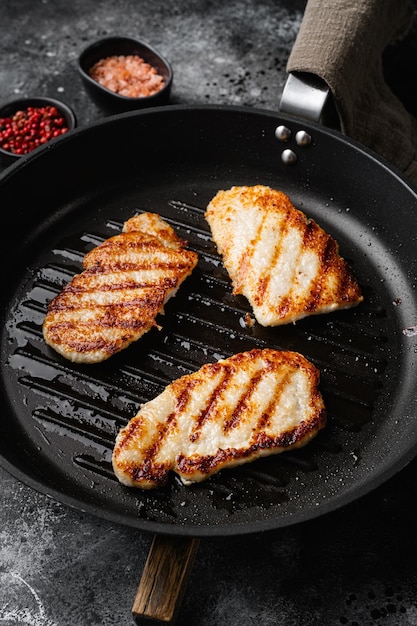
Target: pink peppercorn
<point x="27" y="129"/>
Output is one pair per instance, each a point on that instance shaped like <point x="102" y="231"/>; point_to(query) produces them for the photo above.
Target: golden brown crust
<point x="230" y="412"/>
<point x="125" y="284"/>
<point x="285" y="264"/>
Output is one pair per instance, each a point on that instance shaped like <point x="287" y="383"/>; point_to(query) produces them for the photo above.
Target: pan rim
<point x="227" y="108"/>
<point x="212" y="530"/>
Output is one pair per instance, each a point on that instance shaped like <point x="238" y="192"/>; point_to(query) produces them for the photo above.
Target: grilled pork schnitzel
<point x="281" y="261"/>
<point x="231" y="412"/>
<point x="125" y="284"/>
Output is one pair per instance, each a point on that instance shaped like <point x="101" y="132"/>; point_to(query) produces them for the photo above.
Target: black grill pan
<point x="59" y="420"/>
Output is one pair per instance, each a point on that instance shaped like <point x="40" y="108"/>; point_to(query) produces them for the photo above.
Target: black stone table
<point x="59" y="566"/>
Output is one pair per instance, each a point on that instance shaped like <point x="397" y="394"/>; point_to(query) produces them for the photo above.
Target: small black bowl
<point x="21" y="104"/>
<point x="110" y="101"/>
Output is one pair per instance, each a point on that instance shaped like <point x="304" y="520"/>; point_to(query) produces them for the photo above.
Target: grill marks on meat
<point x="234" y="411"/>
<point x="285" y="264"/>
<point x="125" y="284"/>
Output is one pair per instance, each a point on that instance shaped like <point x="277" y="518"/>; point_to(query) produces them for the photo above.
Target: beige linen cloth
<point x="342" y="42"/>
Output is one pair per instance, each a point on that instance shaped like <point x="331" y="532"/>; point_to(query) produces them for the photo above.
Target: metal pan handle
<point x="308" y="96"/>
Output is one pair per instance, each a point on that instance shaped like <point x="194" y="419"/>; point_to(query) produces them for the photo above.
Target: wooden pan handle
<point x="164" y="579"/>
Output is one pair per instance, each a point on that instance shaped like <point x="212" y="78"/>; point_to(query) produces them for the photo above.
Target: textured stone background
<point x="222" y="52"/>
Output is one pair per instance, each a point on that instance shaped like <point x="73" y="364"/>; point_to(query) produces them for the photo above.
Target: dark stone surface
<point x="221" y="52"/>
<point x="59" y="566"/>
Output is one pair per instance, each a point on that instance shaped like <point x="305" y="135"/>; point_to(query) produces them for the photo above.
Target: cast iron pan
<point x="59" y="420"/>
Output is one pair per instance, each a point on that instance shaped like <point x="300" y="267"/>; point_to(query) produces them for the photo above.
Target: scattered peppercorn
<point x="27" y="129"/>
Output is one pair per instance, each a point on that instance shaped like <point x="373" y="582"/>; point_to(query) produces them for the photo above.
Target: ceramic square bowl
<point x="28" y="123"/>
<point x="110" y="53"/>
